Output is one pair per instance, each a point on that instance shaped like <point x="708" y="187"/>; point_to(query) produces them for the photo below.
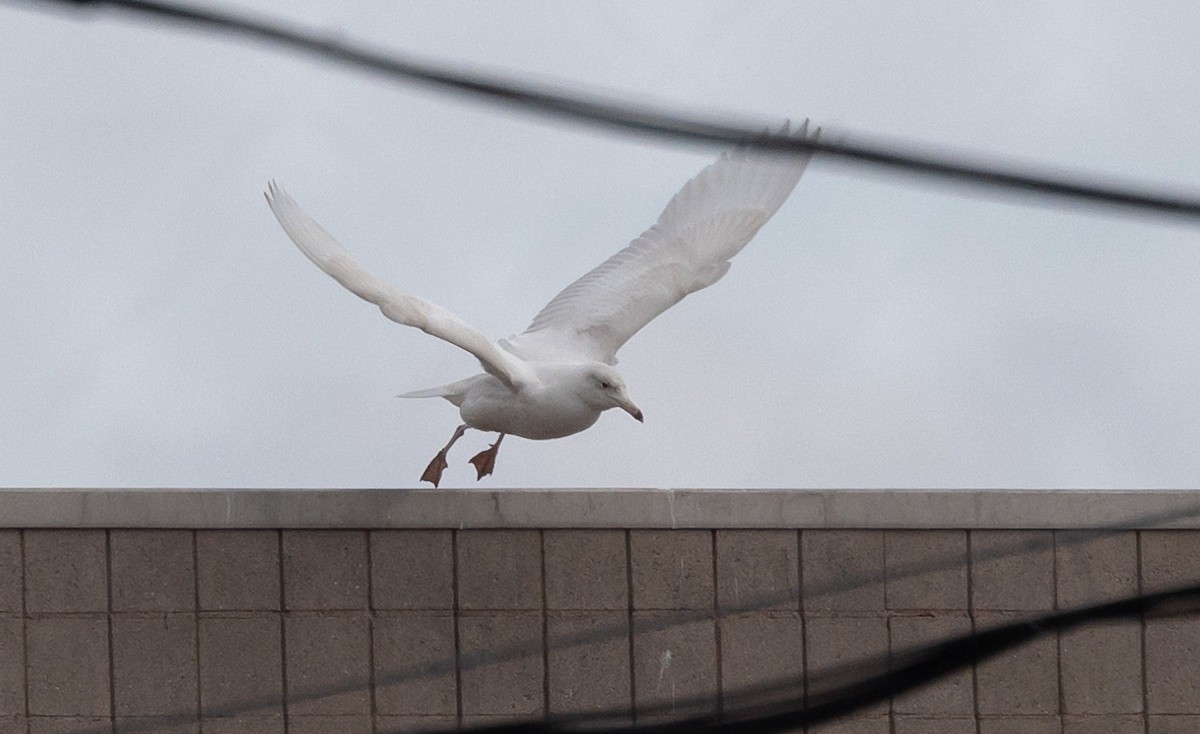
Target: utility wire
<point x="827" y="679"/>
<point x="593" y="109"/>
<point x="903" y="673"/>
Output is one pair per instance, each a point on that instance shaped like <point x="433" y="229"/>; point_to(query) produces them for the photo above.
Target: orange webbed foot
<point x="433" y="472"/>
<point x="485" y="461"/>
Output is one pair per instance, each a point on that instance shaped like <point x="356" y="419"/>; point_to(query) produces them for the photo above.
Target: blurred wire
<point x="827" y="679"/>
<point x="572" y="105"/>
<point x="904" y="672"/>
<point x="786" y="705"/>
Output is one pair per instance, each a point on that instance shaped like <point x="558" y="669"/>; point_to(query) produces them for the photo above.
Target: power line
<point x="592" y="109"/>
<point x="827" y="681"/>
<point x="902" y="673"/>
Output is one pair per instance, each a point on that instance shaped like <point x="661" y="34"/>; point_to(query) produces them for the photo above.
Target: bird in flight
<point x="557" y="377"/>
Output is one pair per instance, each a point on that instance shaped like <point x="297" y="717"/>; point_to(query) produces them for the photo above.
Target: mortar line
<point x="887" y="616"/>
<point x="283" y="666"/>
<point x="1062" y="708"/>
<point x="1142" y="635"/>
<point x="456" y="615"/>
<point x="545" y="627"/>
<point x="629" y="622"/>
<point x="974" y="626"/>
<point x="196" y="625"/>
<point x="800" y="608"/>
<point x="112" y="689"/>
<point x="24" y="621"/>
<point x="371" y="632"/>
<point x="716" y="619"/>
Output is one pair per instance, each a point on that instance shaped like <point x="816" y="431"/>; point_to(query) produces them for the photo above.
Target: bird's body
<point x="556" y="378"/>
<point x="558" y="402"/>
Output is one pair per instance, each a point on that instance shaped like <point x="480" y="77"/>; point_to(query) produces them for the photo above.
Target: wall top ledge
<point x="598" y="508"/>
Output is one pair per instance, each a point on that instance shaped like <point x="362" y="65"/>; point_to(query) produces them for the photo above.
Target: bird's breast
<point x="537" y="414"/>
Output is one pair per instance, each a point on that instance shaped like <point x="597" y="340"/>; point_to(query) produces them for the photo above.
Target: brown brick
<point x="405" y="644"/>
<point x="1127" y="724"/>
<point x="843" y="570"/>
<point x="951" y="695"/>
<point x="512" y="685"/>
<point x="926" y="569"/>
<point x="238" y="569"/>
<point x="758" y="569"/>
<point x="1102" y="670"/>
<point x="672" y="569"/>
<point x="68" y="666"/>
<point x="66" y="571"/>
<point x="13" y="724"/>
<point x="404" y="724"/>
<point x="863" y="725"/>
<point x="67" y="725"/>
<point x="1020" y="725"/>
<point x="1021" y="681"/>
<point x="1172" y="673"/>
<point x="760" y="648"/>
<point x="835" y="642"/>
<point x="499" y="569"/>
<point x="470" y="723"/>
<point x="12" y="667"/>
<point x="244" y="725"/>
<point x="411" y="569"/>
<point x="1170" y="558"/>
<point x="157" y="724"/>
<point x="328" y="670"/>
<point x="586" y="569"/>
<point x="675" y="663"/>
<point x="1094" y="568"/>
<point x="152" y="571"/>
<point x="592" y="676"/>
<point x="329" y="725"/>
<point x="10" y="571"/>
<point x="154" y="665"/>
<point x="1012" y="569"/>
<point x="1174" y="724"/>
<point x="324" y="569"/>
<point x="241" y="663"/>
<point x="925" y="725"/>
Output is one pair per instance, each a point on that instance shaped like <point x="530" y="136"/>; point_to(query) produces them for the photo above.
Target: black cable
<point x="903" y="673"/>
<point x="829" y="678"/>
<point x="572" y="105"/>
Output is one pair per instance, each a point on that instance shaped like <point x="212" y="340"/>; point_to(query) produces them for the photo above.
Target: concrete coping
<point x="599" y="508"/>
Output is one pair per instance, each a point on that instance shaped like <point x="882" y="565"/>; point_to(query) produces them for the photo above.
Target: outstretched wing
<point x="708" y="222"/>
<point x="329" y="255"/>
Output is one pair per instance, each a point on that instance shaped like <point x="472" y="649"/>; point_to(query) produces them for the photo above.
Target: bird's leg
<point x="433" y="472"/>
<point x="485" y="461"/>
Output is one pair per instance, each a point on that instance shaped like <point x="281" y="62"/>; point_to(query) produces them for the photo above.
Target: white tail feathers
<point x="454" y="392"/>
<point x="433" y="392"/>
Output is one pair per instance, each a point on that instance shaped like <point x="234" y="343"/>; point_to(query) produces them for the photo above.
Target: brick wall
<point x="397" y="629"/>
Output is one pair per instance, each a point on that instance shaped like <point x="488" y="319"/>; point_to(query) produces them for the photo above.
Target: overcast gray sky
<point x="157" y="328"/>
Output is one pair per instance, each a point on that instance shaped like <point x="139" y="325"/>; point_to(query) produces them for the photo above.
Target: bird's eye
<point x="606" y="385"/>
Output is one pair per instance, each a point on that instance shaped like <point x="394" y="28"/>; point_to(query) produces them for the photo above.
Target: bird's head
<point x="604" y="388"/>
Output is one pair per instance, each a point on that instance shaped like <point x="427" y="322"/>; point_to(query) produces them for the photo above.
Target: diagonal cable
<point x="593" y="109"/>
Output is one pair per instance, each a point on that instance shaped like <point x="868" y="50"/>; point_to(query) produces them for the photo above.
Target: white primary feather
<point x="330" y="256"/>
<point x="708" y="222"/>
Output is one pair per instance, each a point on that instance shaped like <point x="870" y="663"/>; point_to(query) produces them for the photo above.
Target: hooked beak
<point x="633" y="410"/>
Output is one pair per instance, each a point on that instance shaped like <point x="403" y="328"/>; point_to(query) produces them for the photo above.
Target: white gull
<point x="557" y="377"/>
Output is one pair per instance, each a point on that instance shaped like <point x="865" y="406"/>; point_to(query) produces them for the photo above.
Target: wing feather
<point x="403" y="308"/>
<point x="708" y="222"/>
